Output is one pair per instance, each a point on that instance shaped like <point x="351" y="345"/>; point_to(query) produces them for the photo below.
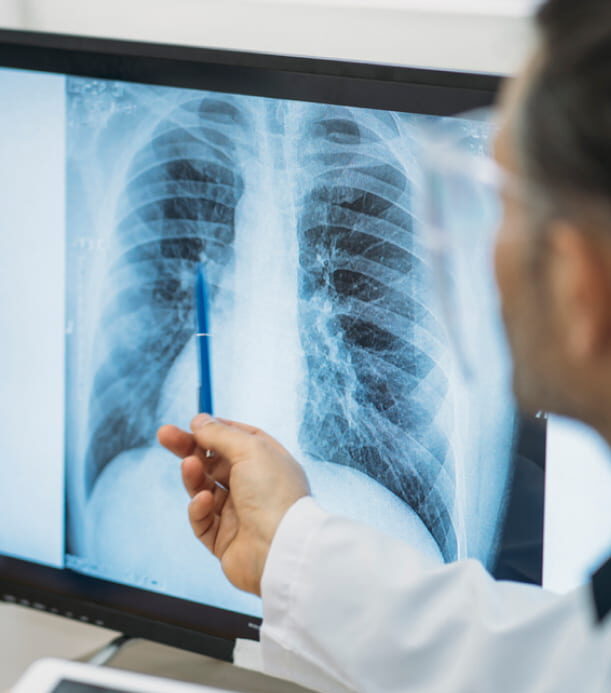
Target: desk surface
<point x="27" y="635"/>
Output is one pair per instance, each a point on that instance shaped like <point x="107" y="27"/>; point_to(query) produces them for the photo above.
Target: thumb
<point x="232" y="443"/>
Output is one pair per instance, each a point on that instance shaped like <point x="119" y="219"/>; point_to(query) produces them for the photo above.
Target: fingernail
<point x="201" y="420"/>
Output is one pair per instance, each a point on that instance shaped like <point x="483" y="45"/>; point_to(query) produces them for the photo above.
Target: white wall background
<point x="482" y="35"/>
<point x="11" y="13"/>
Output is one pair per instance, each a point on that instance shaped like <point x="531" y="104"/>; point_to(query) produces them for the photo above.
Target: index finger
<point x="232" y="443"/>
<point x="253" y="430"/>
<point x="181" y="443"/>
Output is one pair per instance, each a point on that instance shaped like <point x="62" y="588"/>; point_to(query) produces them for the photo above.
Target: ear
<point x="580" y="277"/>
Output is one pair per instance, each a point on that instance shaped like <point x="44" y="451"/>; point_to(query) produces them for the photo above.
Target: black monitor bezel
<point x="134" y="611"/>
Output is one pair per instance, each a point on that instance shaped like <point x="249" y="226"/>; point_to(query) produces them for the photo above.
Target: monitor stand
<point x="108" y="652"/>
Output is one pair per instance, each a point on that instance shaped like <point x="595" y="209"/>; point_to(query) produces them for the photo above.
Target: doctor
<point x="348" y="609"/>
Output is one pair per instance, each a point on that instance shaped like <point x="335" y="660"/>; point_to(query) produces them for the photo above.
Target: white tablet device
<point x="60" y="676"/>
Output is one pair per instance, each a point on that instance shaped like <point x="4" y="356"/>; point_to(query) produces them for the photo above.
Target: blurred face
<point x="554" y="277"/>
<point x="522" y="272"/>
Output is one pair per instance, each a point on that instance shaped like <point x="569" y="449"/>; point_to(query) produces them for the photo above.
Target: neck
<point x="605" y="432"/>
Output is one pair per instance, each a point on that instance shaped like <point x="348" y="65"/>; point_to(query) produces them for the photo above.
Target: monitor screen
<point x="299" y="202"/>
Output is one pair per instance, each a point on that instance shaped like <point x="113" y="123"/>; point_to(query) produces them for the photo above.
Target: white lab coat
<point x="346" y="608"/>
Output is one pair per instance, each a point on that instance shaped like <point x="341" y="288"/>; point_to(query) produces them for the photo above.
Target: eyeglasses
<point x="460" y="214"/>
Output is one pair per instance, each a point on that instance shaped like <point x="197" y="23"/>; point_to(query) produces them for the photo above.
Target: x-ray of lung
<point x="325" y="329"/>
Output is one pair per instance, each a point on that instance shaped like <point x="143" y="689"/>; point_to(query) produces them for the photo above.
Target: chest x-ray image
<point x="325" y="330"/>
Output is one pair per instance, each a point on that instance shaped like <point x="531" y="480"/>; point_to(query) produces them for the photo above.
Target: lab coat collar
<point x="601" y="591"/>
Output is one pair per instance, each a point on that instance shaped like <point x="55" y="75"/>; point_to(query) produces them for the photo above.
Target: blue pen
<point x="202" y="334"/>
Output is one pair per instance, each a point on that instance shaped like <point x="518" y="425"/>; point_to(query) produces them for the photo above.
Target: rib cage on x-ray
<point x="373" y="385"/>
<point x="178" y="207"/>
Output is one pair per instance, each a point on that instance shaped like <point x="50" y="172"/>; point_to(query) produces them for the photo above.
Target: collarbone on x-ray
<point x="324" y="327"/>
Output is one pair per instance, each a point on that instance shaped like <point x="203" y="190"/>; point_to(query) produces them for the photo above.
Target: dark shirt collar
<point x="601" y="591"/>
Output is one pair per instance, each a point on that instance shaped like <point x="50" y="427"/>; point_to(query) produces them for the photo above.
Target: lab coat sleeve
<point x="346" y="608"/>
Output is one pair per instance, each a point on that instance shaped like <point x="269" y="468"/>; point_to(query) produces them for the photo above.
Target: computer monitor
<point x="292" y="180"/>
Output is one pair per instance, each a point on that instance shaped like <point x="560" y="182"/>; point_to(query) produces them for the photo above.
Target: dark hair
<point x="565" y="128"/>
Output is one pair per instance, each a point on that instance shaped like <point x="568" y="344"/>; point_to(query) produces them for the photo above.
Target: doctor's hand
<point x="261" y="479"/>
